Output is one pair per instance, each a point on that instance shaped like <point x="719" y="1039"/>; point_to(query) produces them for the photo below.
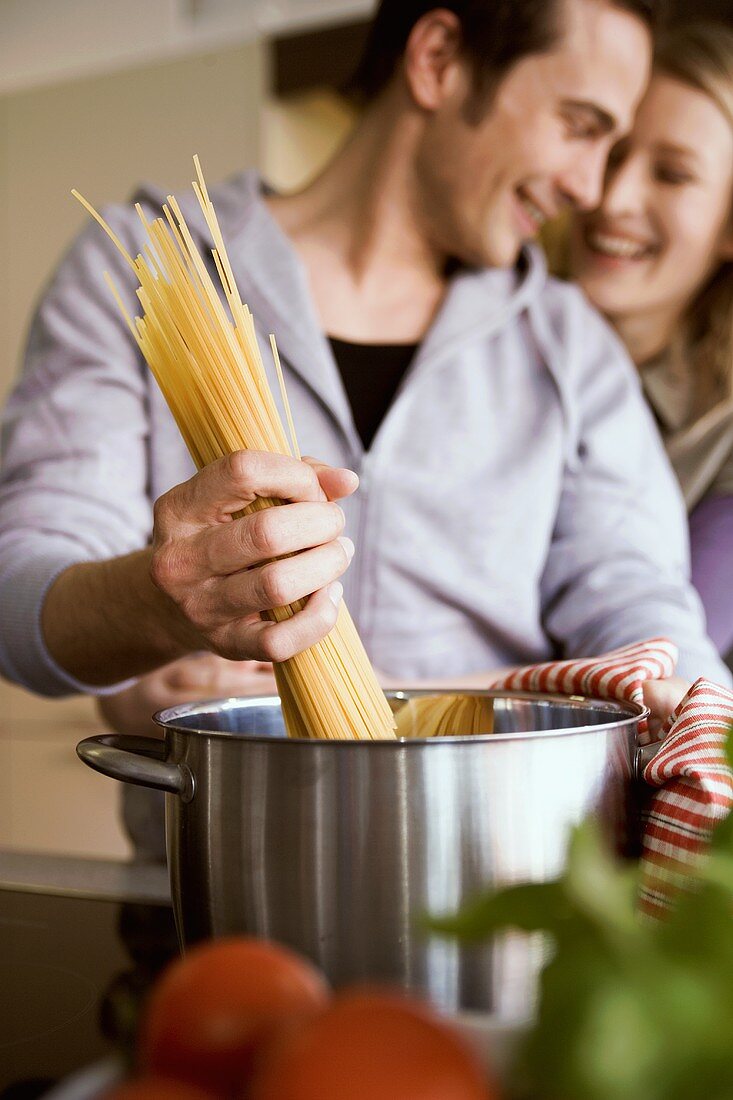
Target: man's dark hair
<point x="495" y="34"/>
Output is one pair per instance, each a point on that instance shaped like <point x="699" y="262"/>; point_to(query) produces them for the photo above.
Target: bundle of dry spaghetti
<point x="209" y="368"/>
<point x="446" y="715"/>
<point x="208" y="365"/>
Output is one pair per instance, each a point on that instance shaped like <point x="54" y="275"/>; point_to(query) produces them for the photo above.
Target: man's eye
<point x="580" y="130"/>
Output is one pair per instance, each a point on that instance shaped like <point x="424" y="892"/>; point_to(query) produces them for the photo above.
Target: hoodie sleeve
<point x="73" y="485"/>
<point x="618" y="566"/>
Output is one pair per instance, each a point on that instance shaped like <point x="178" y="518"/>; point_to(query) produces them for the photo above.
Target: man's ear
<point x="431" y="54"/>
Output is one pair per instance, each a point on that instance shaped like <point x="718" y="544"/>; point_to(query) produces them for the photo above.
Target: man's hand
<point x="198" y="676"/>
<point x="207" y="575"/>
<point x="219" y="571"/>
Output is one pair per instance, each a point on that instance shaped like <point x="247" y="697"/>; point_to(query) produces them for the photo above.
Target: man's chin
<point x="506" y="254"/>
<point x="498" y="250"/>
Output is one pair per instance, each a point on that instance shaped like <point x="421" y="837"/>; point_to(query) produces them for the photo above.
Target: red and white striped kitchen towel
<point x="691" y="771"/>
<point x="695" y="791"/>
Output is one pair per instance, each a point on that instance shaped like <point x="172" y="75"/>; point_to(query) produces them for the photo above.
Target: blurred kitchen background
<point x="99" y="95"/>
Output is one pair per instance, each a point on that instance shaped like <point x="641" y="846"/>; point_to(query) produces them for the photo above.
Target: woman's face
<point x="663" y="225"/>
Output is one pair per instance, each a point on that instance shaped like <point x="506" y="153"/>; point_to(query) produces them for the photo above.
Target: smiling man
<point x="515" y="501"/>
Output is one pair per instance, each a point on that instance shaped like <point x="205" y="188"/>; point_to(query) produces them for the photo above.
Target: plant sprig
<point x="628" y="1009"/>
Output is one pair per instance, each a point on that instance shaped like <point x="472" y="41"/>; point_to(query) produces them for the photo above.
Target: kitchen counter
<point x="104" y="879"/>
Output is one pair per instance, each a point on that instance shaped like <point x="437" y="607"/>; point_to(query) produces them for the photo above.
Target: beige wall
<point x="300" y="133"/>
<point x="5" y="258"/>
<point x="101" y="135"/>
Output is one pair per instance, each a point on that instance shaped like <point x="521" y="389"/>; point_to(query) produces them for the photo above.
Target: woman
<point x="657" y="259"/>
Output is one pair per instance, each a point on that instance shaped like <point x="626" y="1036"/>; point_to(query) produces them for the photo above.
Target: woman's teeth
<point x="620" y="247"/>
<point x="534" y="211"/>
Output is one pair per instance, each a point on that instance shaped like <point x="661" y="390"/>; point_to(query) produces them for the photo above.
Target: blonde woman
<point x="656" y="258"/>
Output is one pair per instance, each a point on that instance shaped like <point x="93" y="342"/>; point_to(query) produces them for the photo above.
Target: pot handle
<point x="644" y="755"/>
<point x="139" y="760"/>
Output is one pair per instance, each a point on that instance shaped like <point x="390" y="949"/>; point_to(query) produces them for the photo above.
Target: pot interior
<point x="516" y="714"/>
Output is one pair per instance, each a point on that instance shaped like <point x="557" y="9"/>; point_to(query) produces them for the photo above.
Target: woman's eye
<point x="673" y="176"/>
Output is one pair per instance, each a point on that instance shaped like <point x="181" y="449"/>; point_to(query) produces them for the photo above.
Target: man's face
<point x="486" y="186"/>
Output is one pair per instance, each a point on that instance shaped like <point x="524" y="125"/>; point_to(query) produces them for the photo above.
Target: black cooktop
<point x="73" y="971"/>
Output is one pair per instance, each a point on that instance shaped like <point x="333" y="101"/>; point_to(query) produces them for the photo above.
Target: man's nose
<point x="582" y="182"/>
<point x="624" y="188"/>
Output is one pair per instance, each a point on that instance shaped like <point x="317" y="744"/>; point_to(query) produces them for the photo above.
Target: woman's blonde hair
<point x="701" y="56"/>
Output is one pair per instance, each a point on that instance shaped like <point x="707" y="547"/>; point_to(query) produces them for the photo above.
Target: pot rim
<point x="628" y="715"/>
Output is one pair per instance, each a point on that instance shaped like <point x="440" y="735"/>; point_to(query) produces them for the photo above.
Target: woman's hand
<point x="662" y="696"/>
<point x="198" y="676"/>
<point x="206" y="676"/>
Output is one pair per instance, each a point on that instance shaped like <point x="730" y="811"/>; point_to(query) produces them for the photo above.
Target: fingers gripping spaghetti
<point x="208" y="365"/>
<point x="210" y="371"/>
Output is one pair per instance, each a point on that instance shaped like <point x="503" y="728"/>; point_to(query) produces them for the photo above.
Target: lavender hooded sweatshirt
<point x="516" y="502"/>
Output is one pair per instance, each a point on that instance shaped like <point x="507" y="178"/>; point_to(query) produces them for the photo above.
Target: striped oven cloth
<point x="695" y="784"/>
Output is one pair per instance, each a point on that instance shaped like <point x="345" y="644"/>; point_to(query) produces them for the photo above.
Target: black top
<point x="371" y="374"/>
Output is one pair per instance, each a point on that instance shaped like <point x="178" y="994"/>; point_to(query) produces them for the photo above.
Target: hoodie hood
<point x="478" y="299"/>
<point x="274" y="283"/>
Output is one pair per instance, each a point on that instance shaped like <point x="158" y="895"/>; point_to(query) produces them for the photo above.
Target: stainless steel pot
<point x="336" y="847"/>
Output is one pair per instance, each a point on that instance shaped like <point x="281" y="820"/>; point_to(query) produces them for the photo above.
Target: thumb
<point x="335" y="481"/>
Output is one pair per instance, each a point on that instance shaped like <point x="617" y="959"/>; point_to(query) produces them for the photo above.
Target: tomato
<point x="372" y="1045"/>
<point x="157" y="1088"/>
<point x="211" y="1009"/>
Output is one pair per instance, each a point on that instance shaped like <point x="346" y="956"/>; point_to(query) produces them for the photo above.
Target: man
<point x="514" y="500"/>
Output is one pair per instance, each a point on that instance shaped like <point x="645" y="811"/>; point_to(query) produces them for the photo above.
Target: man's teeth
<point x="534" y="211"/>
<point x="616" y="246"/>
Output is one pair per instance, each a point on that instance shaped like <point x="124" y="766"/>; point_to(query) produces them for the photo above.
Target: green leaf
<point x="628" y="1010"/>
<point x="598" y="885"/>
<point x="717" y="869"/>
<point x="531" y="907"/>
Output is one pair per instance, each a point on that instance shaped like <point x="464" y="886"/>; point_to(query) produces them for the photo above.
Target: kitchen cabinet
<point x="47" y="41"/>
